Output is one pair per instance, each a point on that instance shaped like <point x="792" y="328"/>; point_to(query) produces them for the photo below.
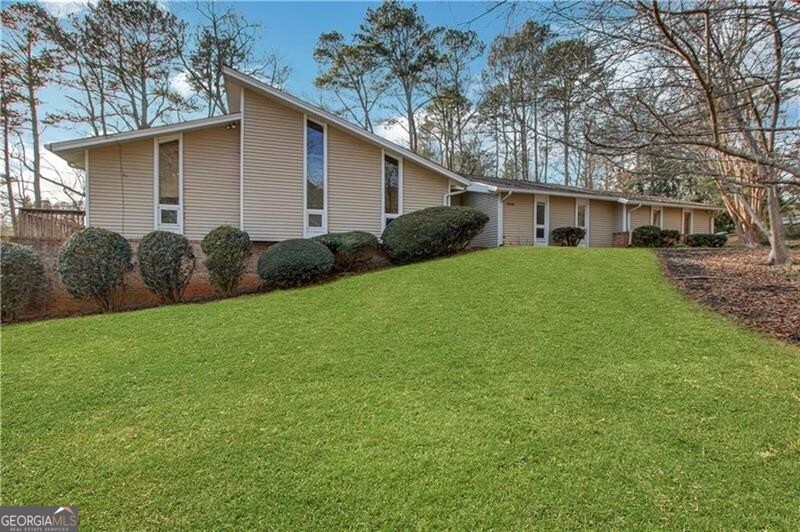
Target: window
<point x="656" y="217"/>
<point x="392" y="183"/>
<point x="168" y="168"/>
<point x="540" y="218"/>
<point x="580" y="220"/>
<point x="687" y="222"/>
<point x="315" y="178"/>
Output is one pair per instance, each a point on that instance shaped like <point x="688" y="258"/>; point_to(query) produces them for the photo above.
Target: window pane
<point x="540" y="206"/>
<point x="315" y="166"/>
<point x="315" y="220"/>
<point x="540" y="233"/>
<point x="581" y="215"/>
<point x="169" y="216"/>
<point x="391" y="185"/>
<point x="168" y="173"/>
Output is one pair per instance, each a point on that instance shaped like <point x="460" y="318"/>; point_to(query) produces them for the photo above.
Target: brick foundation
<point x="53" y="301"/>
<point x="620" y="240"/>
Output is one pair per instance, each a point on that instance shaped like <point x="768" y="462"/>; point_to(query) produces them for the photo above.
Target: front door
<point x="540" y="217"/>
<point x="582" y="219"/>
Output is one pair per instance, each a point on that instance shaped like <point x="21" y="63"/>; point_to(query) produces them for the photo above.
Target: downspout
<point x="446" y="197"/>
<point x="626" y="220"/>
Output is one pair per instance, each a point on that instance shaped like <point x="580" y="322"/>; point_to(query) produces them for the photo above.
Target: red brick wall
<point x="54" y="301"/>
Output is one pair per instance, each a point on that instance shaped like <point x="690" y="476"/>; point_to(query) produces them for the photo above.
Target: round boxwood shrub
<point x="92" y="264"/>
<point x="707" y="240"/>
<point x="294" y="262"/>
<point x="568" y="236"/>
<point x="166" y="263"/>
<point x="647" y="236"/>
<point x="21" y="274"/>
<point x="431" y="232"/>
<point x="227" y="249"/>
<point x="350" y="247"/>
<point x="670" y="237"/>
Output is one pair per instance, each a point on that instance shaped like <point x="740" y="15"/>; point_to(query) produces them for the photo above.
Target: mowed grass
<point x="509" y="388"/>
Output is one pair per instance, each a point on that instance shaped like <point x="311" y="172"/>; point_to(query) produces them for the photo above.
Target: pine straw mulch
<point x="737" y="282"/>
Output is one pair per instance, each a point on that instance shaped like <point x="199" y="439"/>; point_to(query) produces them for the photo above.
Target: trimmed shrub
<point x="227" y="249"/>
<point x="21" y="274"/>
<point x="166" y="263"/>
<point x="350" y="247"/>
<point x="670" y="237"/>
<point x="294" y="262"/>
<point x="707" y="240"/>
<point x="568" y="236"/>
<point x="92" y="264"/>
<point x="431" y="232"/>
<point x="647" y="236"/>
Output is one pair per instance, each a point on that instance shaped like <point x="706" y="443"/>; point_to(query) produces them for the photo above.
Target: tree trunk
<point x="778" y="253"/>
<point x="7" y="161"/>
<point x="37" y="163"/>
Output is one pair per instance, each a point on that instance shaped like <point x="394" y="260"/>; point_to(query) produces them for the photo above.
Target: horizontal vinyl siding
<point x="354" y="184"/>
<point x="488" y="204"/>
<point x="672" y="218"/>
<point x="210" y="180"/>
<point x="602" y="222"/>
<point x="639" y="217"/>
<point x="273" y="169"/>
<point x="518" y="220"/>
<point x="562" y="213"/>
<point x="121" y="191"/>
<point x="702" y="222"/>
<point x="422" y="188"/>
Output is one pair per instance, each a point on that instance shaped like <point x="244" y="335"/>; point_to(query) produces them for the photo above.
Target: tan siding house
<point x="518" y="220"/>
<point x="122" y="194"/>
<point x="602" y="222"/>
<point x="211" y="180"/>
<point x="281" y="168"/>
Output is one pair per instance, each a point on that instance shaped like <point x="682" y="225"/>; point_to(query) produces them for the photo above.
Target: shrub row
<point x="92" y="263"/>
<point x="652" y="236"/>
<point x="707" y="240"/>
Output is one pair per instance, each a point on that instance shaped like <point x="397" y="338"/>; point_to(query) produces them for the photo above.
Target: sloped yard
<point x="510" y="388"/>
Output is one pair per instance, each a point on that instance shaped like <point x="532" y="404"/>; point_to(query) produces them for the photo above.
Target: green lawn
<point x="506" y="388"/>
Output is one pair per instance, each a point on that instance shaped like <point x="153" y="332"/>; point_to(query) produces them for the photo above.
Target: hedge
<point x="21" y="274"/>
<point x="294" y="262"/>
<point x="92" y="264"/>
<point x="227" y="249"/>
<point x="349" y="247"/>
<point x="670" y="237"/>
<point x="431" y="232"/>
<point x="707" y="240"/>
<point x="568" y="236"/>
<point x="166" y="263"/>
<point x="647" y="236"/>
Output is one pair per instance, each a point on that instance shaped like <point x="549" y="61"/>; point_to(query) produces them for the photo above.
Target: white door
<point x="540" y="220"/>
<point x="582" y="219"/>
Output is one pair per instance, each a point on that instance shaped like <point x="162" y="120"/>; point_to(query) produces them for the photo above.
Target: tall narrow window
<point x="657" y="217"/>
<point x="315" y="178"/>
<point x="169" y="184"/>
<point x="391" y="189"/>
<point x="687" y="222"/>
<point x="541" y="221"/>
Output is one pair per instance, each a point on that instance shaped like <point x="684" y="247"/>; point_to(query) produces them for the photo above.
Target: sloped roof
<point x="520" y="185"/>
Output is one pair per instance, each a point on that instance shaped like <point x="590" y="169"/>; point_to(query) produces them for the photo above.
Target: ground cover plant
<point x="512" y="388"/>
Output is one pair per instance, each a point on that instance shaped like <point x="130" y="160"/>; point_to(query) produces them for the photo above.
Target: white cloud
<point x="394" y="130"/>
<point x="63" y="8"/>
<point x="180" y="84"/>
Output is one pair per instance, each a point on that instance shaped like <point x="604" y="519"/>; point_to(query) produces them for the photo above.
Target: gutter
<point x="446" y="197"/>
<point x="626" y="221"/>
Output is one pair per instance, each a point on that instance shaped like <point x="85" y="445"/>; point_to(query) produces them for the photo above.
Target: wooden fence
<point x="48" y="224"/>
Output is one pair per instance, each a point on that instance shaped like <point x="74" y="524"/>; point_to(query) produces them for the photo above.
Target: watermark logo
<point x="38" y="518"/>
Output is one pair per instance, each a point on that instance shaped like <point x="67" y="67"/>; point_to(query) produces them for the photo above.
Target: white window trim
<point x="384" y="214"/>
<point x="691" y="221"/>
<point x="536" y="199"/>
<point x="87" y="218"/>
<point x="157" y="210"/>
<point x="315" y="231"/>
<point x="653" y="211"/>
<point x="585" y="202"/>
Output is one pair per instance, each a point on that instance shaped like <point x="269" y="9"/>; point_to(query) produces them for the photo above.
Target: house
<point x="281" y="168"/>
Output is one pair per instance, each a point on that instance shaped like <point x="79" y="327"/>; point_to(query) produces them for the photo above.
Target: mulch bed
<point x="737" y="282"/>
